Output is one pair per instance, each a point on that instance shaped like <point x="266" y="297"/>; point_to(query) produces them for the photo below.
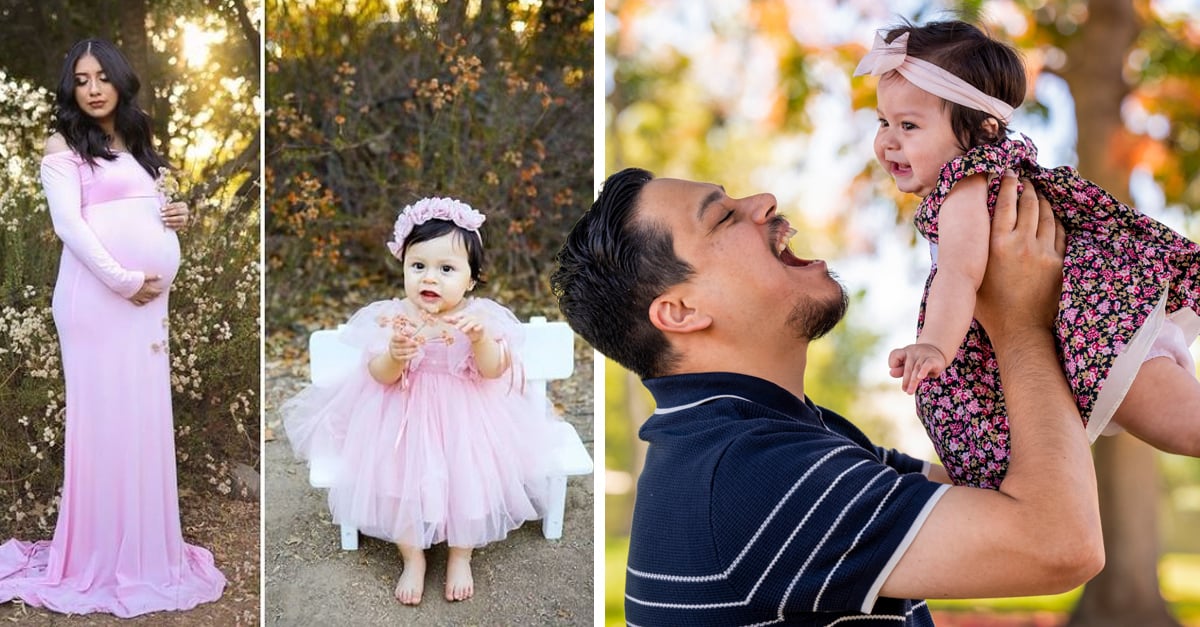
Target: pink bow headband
<point x="885" y="57"/>
<point x="426" y="209"/>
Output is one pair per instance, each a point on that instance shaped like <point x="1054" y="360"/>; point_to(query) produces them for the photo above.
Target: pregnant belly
<point x="133" y="232"/>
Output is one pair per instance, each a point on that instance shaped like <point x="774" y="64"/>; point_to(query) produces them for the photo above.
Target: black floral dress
<point x="1123" y="273"/>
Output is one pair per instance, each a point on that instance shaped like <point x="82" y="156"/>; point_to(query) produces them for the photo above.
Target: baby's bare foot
<point x="459" y="584"/>
<point x="412" y="578"/>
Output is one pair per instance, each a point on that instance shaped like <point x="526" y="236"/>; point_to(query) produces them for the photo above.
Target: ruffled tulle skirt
<point x="437" y="458"/>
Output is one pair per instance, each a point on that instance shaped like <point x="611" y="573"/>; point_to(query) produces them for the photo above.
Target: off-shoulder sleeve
<point x="370" y="328"/>
<point x="505" y="329"/>
<point x="61" y="182"/>
<point x="502" y="323"/>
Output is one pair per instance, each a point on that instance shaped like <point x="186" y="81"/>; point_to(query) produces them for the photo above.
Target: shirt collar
<point x="675" y="392"/>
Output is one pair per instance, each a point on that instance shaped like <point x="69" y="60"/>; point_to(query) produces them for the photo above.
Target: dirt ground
<point x="522" y="580"/>
<point x="224" y="526"/>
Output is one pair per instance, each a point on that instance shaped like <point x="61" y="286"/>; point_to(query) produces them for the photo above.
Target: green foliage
<point x="615" y="551"/>
<point x="1179" y="574"/>
<point x="374" y="108"/>
<point x="30" y="371"/>
<point x="1161" y="73"/>
<point x="1181" y="515"/>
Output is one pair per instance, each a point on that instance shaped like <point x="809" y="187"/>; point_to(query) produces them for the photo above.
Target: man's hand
<point x="1023" y="281"/>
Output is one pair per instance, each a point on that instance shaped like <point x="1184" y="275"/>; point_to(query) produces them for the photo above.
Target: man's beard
<point x="812" y="318"/>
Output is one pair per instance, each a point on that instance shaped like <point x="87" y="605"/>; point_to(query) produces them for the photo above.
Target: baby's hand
<point x="471" y="326"/>
<point x="402" y="348"/>
<point x="914" y="363"/>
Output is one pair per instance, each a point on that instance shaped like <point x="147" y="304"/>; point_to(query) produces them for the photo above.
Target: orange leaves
<point x="564" y="197"/>
<point x="531" y="171"/>
<point x="303" y="201"/>
<point x="438" y="95"/>
<point x="467" y="71"/>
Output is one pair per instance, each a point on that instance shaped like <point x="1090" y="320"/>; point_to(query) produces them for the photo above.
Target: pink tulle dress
<point x="117" y="546"/>
<point x="443" y="455"/>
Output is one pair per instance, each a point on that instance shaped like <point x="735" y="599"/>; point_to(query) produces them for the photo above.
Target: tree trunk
<point x="1126" y="592"/>
<point x="250" y="35"/>
<point x="134" y="43"/>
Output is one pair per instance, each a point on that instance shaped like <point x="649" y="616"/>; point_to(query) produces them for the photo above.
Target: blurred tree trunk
<point x="558" y="19"/>
<point x="135" y="44"/>
<point x="495" y="18"/>
<point x="1126" y="592"/>
<point x="243" y="23"/>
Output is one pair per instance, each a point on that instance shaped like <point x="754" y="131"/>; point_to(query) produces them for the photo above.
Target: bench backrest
<point x="548" y="353"/>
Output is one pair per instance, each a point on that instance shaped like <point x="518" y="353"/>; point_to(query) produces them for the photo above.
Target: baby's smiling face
<point x="914" y="139"/>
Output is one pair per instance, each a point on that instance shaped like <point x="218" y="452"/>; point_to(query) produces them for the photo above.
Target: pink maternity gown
<point x="118" y="546"/>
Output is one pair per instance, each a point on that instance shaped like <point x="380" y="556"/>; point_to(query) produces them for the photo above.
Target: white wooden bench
<point x="548" y="355"/>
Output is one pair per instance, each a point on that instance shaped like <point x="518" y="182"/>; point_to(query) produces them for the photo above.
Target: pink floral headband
<point x="426" y="209"/>
<point x="885" y="57"/>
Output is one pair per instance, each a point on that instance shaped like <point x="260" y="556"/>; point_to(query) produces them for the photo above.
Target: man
<point x="757" y="506"/>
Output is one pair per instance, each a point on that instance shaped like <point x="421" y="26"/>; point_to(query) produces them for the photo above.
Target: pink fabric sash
<point x="885" y="57"/>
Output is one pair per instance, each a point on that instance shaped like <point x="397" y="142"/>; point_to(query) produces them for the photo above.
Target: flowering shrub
<point x="213" y="335"/>
<point x="372" y="109"/>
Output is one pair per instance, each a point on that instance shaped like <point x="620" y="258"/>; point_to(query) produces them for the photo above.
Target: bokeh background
<point x="757" y="95"/>
<point x="199" y="66"/>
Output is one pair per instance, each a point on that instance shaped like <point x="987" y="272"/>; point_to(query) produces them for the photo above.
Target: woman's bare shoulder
<point x="56" y="143"/>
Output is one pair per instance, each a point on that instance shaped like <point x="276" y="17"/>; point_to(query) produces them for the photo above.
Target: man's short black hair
<point x="611" y="268"/>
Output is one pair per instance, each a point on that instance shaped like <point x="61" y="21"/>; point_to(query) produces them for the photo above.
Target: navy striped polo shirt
<point x="757" y="508"/>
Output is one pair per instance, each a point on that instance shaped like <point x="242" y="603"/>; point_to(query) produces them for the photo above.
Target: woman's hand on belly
<point x="151" y="288"/>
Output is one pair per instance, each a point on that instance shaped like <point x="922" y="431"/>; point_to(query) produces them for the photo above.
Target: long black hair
<point x="81" y="131"/>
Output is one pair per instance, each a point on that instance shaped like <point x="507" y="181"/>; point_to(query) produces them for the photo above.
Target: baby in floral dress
<point x="1131" y="286"/>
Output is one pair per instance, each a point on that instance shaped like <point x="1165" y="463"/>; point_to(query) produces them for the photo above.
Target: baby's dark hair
<point x="435" y="228"/>
<point x="967" y="52"/>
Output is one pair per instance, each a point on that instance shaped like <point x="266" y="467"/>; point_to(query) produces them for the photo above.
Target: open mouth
<point x="789" y="259"/>
<point x="900" y="169"/>
<point x="785" y="254"/>
<point x="430" y="294"/>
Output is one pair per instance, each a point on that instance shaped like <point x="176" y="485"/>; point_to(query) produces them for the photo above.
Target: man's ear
<point x="990" y="127"/>
<point x="670" y="314"/>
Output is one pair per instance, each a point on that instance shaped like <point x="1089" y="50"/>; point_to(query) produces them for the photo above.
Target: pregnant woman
<point x="118" y="546"/>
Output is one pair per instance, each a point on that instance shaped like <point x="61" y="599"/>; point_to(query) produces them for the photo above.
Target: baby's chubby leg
<point x="412" y="579"/>
<point x="460" y="586"/>
<point x="1162" y="407"/>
